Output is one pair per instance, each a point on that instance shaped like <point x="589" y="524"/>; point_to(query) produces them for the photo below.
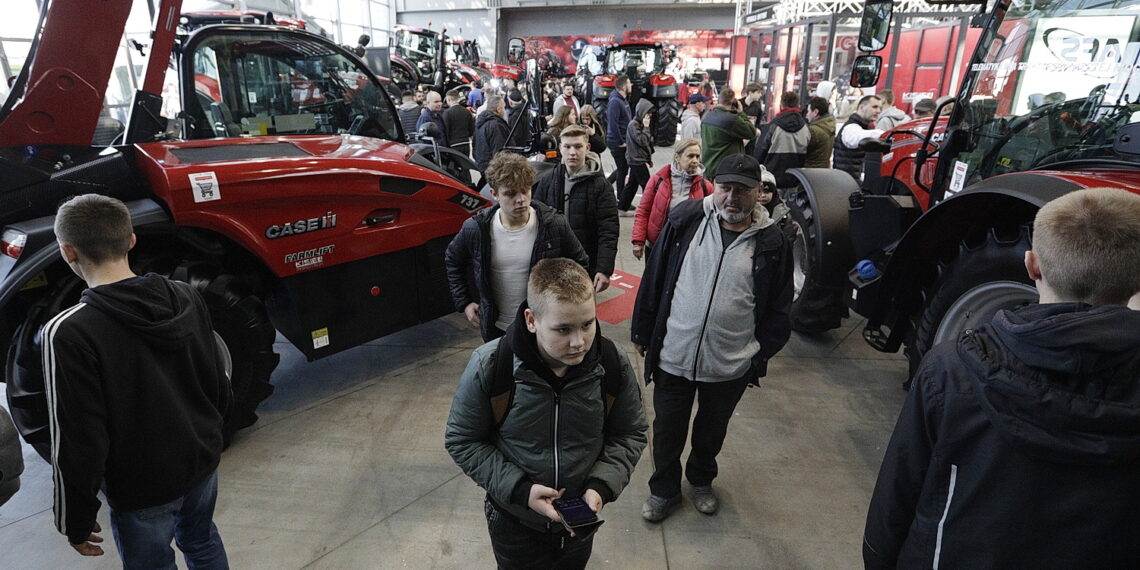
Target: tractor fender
<point x="461" y="158"/>
<point x="43" y="249"/>
<point x="1006" y="200"/>
<point x="827" y="191"/>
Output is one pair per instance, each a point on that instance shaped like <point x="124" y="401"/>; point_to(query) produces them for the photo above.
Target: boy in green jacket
<point x="558" y="427"/>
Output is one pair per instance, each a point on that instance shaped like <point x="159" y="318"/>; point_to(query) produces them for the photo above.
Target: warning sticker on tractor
<point x="958" y="180"/>
<point x="205" y="187"/>
<point x="320" y="338"/>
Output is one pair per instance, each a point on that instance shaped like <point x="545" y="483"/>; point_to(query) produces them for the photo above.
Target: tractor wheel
<point x="600" y="105"/>
<point x="970" y="289"/>
<point x="815" y="308"/>
<point x="668" y="113"/>
<point x="24" y="367"/>
<point x="240" y="319"/>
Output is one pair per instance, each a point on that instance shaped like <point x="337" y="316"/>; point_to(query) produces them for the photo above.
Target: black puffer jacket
<point x="592" y="210"/>
<point x="468" y="259"/>
<point x="848" y="159"/>
<point x="1018" y="447"/>
<point x="490" y="137"/>
<point x="783" y="145"/>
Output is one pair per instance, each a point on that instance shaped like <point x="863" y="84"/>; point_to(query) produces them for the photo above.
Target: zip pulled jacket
<point x="468" y="258"/>
<point x="136" y="398"/>
<point x="556" y="432"/>
<point x="784" y="145"/>
<point x="771" y="272"/>
<point x="590" y="208"/>
<point x="617" y="119"/>
<point x="655" y="202"/>
<point x="1017" y="447"/>
<point x="490" y="137"/>
<point x="723" y="132"/>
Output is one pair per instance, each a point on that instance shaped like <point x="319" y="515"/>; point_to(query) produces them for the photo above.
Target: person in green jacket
<point x="724" y="130"/>
<point x="821" y="124"/>
<point x="564" y="430"/>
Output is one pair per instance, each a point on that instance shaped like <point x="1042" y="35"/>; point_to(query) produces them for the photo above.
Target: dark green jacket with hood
<point x="556" y="431"/>
<point x="1017" y="447"/>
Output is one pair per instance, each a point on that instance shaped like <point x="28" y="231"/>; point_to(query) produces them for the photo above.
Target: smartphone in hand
<point x="575" y="512"/>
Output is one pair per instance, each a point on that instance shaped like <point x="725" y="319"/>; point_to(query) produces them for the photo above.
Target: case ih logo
<point x="301" y="226"/>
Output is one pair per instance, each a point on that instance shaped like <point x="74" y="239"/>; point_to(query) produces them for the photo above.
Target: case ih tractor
<point x="422" y="54"/>
<point x="935" y="246"/>
<point x="644" y="64"/>
<point x="283" y="194"/>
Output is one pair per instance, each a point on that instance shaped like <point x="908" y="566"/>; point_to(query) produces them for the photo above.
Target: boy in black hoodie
<point x="1019" y="444"/>
<point x="136" y="399"/>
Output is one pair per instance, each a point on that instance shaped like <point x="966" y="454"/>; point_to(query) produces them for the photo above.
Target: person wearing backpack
<point x="552" y="410"/>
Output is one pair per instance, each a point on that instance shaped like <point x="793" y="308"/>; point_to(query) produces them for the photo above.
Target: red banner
<point x="695" y="49"/>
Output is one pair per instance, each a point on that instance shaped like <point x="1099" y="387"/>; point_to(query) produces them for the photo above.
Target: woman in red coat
<point x="678" y="181"/>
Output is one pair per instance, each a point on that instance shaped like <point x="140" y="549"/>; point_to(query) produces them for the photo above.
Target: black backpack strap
<point x="502" y="390"/>
<point x="611" y="365"/>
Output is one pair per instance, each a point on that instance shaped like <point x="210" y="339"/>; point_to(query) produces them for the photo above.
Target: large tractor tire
<point x="240" y="321"/>
<point x="668" y="113"/>
<point x="983" y="278"/>
<point x="817" y="306"/>
<point x="601" y="106"/>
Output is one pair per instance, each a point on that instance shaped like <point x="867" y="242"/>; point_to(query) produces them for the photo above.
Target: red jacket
<point x="654" y="206"/>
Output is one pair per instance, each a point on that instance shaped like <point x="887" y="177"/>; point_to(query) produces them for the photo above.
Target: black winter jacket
<point x="1017" y="447"/>
<point x="458" y="124"/>
<point x="639" y="139"/>
<point x="618" y="116"/>
<point x="468" y="259"/>
<point x="592" y="211"/>
<point x="783" y="145"/>
<point x="490" y="137"/>
<point x="848" y="159"/>
<point x="137" y="396"/>
<point x="771" y="273"/>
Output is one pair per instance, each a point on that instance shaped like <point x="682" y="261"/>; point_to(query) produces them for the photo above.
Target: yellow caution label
<point x="321" y="338"/>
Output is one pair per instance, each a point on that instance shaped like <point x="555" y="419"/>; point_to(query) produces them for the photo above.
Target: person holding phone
<point x="564" y="434"/>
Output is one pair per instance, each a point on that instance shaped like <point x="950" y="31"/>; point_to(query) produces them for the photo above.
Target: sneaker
<point x="705" y="500"/>
<point x="626" y="213"/>
<point x="656" y="508"/>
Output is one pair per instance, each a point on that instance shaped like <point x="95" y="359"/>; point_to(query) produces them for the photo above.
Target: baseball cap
<point x="739" y="168"/>
<point x="697" y="98"/>
<point x="515" y="95"/>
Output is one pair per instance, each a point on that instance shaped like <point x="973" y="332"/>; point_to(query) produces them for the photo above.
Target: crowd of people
<point x="988" y="423"/>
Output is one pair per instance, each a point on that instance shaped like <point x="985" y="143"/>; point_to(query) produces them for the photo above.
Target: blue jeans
<point x="143" y="536"/>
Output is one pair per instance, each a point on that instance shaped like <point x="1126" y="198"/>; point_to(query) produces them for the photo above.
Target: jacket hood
<point x="408" y="106"/>
<point x="690" y="112"/>
<point x="487" y="116"/>
<point x="643" y="107"/>
<point x="593" y="167"/>
<point x="826" y="122"/>
<point x="791" y="120"/>
<point x="159" y="309"/>
<point x="1060" y="380"/>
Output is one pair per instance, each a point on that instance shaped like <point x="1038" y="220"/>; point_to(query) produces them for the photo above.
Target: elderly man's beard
<point x="736" y="218"/>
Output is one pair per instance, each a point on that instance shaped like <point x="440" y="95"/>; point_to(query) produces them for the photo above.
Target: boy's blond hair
<point x="98" y="227"/>
<point x="1088" y="245"/>
<point x="508" y="172"/>
<point x="560" y="280"/>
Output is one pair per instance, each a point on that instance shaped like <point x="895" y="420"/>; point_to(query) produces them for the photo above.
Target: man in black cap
<point x="691" y="118"/>
<point x="706" y="337"/>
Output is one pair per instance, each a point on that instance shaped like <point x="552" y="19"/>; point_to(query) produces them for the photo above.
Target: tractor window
<point x="642" y="60"/>
<point x="256" y="84"/>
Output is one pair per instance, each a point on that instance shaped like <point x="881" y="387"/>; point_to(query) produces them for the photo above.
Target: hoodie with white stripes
<point x="136" y="398"/>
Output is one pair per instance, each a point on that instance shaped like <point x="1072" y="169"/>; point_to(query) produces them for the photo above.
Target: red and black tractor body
<point x="644" y="64"/>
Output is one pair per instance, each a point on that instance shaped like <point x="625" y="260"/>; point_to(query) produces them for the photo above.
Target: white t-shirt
<point x="510" y="266"/>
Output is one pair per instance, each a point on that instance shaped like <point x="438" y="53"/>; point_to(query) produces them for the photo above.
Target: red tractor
<point x="279" y="187"/>
<point x="644" y="64"/>
<point x="932" y="243"/>
<point x="428" y="57"/>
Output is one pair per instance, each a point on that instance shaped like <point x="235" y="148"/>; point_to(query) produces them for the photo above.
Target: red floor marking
<point x="620" y="308"/>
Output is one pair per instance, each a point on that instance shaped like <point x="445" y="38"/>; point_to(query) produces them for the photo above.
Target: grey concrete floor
<point x="346" y="467"/>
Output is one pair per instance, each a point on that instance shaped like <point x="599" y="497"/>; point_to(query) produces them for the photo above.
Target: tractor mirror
<point x="431" y="130"/>
<point x="364" y="40"/>
<point x="516" y="49"/>
<point x="876" y="25"/>
<point x="865" y="70"/>
<point x="1127" y="139"/>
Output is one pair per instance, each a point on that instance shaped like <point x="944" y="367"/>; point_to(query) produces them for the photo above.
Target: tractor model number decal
<point x="309" y="258"/>
<point x="301" y="226"/>
<point x="466" y="201"/>
<point x="205" y="187"/>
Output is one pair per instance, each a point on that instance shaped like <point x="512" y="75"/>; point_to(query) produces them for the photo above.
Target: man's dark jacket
<point x="468" y="258"/>
<point x="426" y="116"/>
<point x="783" y="145"/>
<point x="592" y="214"/>
<point x="458" y="124"/>
<point x="490" y="137"/>
<point x="850" y="159"/>
<point x="138" y="398"/>
<point x="618" y="115"/>
<point x="1017" y="447"/>
<point x="771" y="273"/>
